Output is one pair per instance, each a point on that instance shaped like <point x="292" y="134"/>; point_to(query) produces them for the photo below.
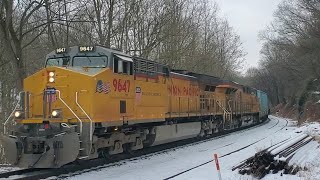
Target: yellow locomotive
<point x="91" y="101"/>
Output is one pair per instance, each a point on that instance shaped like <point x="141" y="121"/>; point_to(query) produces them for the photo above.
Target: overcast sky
<point x="248" y="17"/>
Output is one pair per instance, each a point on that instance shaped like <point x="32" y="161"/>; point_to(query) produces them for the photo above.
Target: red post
<point x="217" y="165"/>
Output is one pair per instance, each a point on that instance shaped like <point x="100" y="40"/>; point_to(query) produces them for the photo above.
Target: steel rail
<point x="227" y="154"/>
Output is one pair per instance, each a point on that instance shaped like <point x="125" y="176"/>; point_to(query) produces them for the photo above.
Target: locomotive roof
<point x="212" y="80"/>
<point x="75" y="50"/>
<point x="97" y="49"/>
<point x="208" y="79"/>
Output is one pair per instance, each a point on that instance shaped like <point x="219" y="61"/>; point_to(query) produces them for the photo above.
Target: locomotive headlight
<point x="51" y="74"/>
<point x="51" y="79"/>
<point x="17" y="114"/>
<point x="55" y="113"/>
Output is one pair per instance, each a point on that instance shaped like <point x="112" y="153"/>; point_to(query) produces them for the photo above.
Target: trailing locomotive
<point x="93" y="101"/>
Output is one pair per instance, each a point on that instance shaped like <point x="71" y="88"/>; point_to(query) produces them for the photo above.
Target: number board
<point x="86" y="48"/>
<point x="61" y="50"/>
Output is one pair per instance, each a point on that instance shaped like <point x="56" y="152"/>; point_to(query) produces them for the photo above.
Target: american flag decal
<point x="51" y="95"/>
<point x="103" y="87"/>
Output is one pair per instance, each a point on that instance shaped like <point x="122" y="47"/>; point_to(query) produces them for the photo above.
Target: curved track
<point x="275" y="124"/>
<point x="229" y="153"/>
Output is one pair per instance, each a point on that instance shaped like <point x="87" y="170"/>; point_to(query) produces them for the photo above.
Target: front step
<point x="227" y="118"/>
<point x="82" y="153"/>
<point x="83" y="157"/>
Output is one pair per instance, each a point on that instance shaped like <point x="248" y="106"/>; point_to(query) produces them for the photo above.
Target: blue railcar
<point x="264" y="104"/>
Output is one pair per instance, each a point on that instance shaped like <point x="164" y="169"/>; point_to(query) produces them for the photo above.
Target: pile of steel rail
<point x="274" y="159"/>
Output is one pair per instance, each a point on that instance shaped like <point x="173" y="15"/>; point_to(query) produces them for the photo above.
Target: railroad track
<point x="80" y="167"/>
<point x="274" y="125"/>
<point x="227" y="154"/>
<point x="16" y="173"/>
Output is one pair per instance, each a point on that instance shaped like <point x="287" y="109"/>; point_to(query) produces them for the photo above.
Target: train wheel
<point x="127" y="149"/>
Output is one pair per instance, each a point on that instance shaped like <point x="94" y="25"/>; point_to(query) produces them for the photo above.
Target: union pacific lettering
<point x="175" y="90"/>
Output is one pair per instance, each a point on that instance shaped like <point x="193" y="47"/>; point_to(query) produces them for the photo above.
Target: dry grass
<point x="311" y="112"/>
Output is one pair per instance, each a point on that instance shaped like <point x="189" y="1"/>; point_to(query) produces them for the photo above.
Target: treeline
<point x="185" y="34"/>
<point x="290" y="66"/>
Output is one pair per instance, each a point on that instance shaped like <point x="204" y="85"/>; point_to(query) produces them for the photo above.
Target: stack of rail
<point x="274" y="158"/>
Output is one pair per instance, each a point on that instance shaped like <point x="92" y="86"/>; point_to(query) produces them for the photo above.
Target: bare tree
<point x="290" y="54"/>
<point x="185" y="34"/>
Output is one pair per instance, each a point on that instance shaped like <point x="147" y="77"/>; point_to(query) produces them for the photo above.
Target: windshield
<point x="90" y="61"/>
<point x="62" y="61"/>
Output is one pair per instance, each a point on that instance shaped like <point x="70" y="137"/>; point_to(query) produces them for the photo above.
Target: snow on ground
<point x="6" y="168"/>
<point x="172" y="162"/>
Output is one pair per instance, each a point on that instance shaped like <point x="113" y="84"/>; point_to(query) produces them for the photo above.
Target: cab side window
<point x="122" y="67"/>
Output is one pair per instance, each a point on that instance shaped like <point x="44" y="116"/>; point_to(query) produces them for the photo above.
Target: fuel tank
<point x="170" y="133"/>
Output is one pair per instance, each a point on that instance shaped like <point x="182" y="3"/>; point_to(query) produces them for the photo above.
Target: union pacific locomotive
<point x="91" y="101"/>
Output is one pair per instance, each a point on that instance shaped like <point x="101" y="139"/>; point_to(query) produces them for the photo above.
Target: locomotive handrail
<point x="224" y="109"/>
<point x="230" y="106"/>
<point x="91" y="122"/>
<point x="28" y="103"/>
<point x="230" y="111"/>
<point x="59" y="96"/>
<point x="226" y="113"/>
<point x="90" y="135"/>
<point x="14" y="110"/>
